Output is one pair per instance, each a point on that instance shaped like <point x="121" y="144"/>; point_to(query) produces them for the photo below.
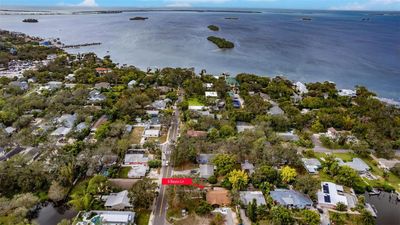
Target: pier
<point x="81" y="45"/>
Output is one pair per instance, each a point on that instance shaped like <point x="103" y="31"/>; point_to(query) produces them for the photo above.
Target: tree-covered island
<point x="221" y="42"/>
<point x="213" y="28"/>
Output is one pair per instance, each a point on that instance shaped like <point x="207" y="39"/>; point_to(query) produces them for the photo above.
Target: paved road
<point x="160" y="208"/>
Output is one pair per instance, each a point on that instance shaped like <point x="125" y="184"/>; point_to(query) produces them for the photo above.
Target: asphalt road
<point x="160" y="209"/>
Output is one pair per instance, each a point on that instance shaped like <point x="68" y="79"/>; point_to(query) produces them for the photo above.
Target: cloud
<point x="89" y="3"/>
<point x="369" y="5"/>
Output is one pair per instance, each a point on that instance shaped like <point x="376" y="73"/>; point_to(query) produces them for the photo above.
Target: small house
<point x="356" y="164"/>
<point x="291" y="198"/>
<point x="246" y="197"/>
<point x="331" y="194"/>
<point x="118" y="201"/>
<point x="312" y="165"/>
<point x="206" y="170"/>
<point x="212" y="94"/>
<point x="248" y="167"/>
<point x="242" y="126"/>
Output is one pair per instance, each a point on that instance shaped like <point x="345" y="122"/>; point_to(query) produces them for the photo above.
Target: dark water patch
<point x="387" y="206"/>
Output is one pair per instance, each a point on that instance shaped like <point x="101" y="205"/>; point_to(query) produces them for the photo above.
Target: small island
<point x="213" y="28"/>
<point x="306" y="18"/>
<point x="221" y="42"/>
<point x="139" y="18"/>
<point x="30" y="20"/>
<point x="231" y="18"/>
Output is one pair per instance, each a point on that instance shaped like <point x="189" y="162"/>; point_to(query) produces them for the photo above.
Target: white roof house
<point x="53" y="85"/>
<point x="331" y="194"/>
<point x="301" y="88"/>
<point x="70" y="77"/>
<point x="196" y="107"/>
<point x="206" y="170"/>
<point x="131" y="83"/>
<point x="347" y="92"/>
<point x="246" y="166"/>
<point x="213" y="94"/>
<point x="61" y="131"/>
<point x="136" y="158"/>
<point x="138" y="171"/>
<point x="288" y="136"/>
<point x="118" y="201"/>
<point x="247" y="197"/>
<point x="67" y="120"/>
<point x="9" y="130"/>
<point x="151" y="133"/>
<point x="110" y="218"/>
<point x="242" y="126"/>
<point x="357" y="164"/>
<point x="312" y="164"/>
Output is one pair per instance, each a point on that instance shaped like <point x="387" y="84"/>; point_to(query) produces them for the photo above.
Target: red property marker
<point x="180" y="181"/>
<point x="177" y="181"/>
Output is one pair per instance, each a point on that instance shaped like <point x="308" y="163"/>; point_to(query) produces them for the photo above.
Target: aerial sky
<point x="290" y="4"/>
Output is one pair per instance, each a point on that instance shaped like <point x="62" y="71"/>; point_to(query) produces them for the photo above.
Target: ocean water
<point x="335" y="46"/>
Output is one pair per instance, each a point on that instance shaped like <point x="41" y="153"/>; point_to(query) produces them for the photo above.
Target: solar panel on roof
<point x="327" y="198"/>
<point x="326" y="188"/>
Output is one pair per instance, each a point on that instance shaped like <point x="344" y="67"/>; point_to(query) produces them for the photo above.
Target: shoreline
<point x="395" y="101"/>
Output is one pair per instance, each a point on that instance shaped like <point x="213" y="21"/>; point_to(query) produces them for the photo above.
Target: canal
<point x="387" y="206"/>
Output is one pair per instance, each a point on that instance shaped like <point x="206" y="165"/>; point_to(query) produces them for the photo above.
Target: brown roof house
<point x="196" y="133"/>
<point x="218" y="197"/>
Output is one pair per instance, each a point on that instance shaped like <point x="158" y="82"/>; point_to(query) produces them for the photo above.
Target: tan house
<point x="218" y="197"/>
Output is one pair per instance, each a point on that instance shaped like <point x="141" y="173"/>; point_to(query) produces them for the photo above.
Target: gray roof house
<point x="288" y="136"/>
<point x="291" y="198"/>
<point x="10" y="130"/>
<point x="118" y="201"/>
<point x="249" y="167"/>
<point x="23" y="85"/>
<point x="357" y="164"/>
<point x="67" y="120"/>
<point x="242" y="126"/>
<point x="101" y="85"/>
<point x="138" y="170"/>
<point x="205" y="158"/>
<point x="275" y="110"/>
<point x="206" y="170"/>
<point x="96" y="96"/>
<point x="135" y="158"/>
<point x="312" y="164"/>
<point x="247" y="197"/>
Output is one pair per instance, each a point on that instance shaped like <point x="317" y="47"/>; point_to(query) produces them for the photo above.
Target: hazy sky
<point x="293" y="4"/>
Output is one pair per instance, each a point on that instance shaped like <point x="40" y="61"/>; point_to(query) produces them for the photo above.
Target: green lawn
<point x="194" y="102"/>
<point x="123" y="172"/>
<point x="143" y="217"/>
<point x="344" y="156"/>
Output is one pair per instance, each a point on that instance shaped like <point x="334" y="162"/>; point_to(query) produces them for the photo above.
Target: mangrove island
<point x="30" y="20"/>
<point x="213" y="28"/>
<point x="221" y="42"/>
<point x="138" y="18"/>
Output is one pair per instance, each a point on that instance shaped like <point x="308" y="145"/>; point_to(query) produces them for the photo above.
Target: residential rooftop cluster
<point x="84" y="132"/>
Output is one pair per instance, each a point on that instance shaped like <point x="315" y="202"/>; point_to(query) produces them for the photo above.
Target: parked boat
<point x="375" y="192"/>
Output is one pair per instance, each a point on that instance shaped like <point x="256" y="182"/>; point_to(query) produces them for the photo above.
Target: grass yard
<point x="143" y="217"/>
<point x="123" y="172"/>
<point x="392" y="179"/>
<point x="136" y="135"/>
<point x="194" y="102"/>
<point x="344" y="156"/>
